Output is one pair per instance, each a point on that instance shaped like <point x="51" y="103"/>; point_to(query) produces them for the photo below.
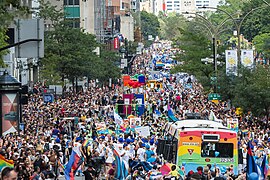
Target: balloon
<point x="216" y="153"/>
<point x="130" y="83"/>
<point x="183" y="163"/>
<point x="253" y="176"/>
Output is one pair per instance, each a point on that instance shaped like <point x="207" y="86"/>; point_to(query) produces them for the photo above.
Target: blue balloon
<point x="216" y="153"/>
<point x="253" y="176"/>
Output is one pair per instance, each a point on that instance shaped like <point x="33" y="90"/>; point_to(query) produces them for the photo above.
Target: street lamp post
<point x="237" y="26"/>
<point x="214" y="32"/>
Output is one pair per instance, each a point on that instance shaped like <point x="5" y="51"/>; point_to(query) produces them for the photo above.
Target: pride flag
<point x="5" y="163"/>
<point x="251" y="164"/>
<point x="73" y="164"/>
<point x="171" y="114"/>
<point x="121" y="171"/>
<point x="86" y="142"/>
<point x="264" y="167"/>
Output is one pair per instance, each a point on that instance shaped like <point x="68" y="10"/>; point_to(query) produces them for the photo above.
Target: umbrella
<point x="165" y="169"/>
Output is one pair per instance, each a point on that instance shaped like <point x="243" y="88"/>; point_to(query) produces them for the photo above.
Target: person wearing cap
<point x="78" y="149"/>
<point x="125" y="155"/>
<point x="148" y="152"/>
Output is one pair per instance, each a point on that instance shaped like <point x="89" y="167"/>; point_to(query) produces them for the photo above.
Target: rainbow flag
<point x="5" y="163"/>
<point x="121" y="171"/>
<point x="86" y="142"/>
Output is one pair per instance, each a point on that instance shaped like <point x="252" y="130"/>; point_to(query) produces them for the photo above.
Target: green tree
<point x="3" y="43"/>
<point x="150" y="25"/>
<point x="69" y="52"/>
<point x="195" y="45"/>
<point x="252" y="90"/>
<point x="262" y="44"/>
<point x="256" y="22"/>
<point x="169" y="26"/>
<point x="106" y="67"/>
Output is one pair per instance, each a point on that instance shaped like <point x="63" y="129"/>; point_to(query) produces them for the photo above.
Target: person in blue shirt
<point x="148" y="152"/>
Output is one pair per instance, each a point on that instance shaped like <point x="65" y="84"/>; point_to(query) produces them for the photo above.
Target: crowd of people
<point x="53" y="130"/>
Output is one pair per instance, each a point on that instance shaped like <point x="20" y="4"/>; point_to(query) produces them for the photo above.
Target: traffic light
<point x="24" y="95"/>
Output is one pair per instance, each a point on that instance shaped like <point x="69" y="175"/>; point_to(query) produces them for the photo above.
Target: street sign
<point x="123" y="63"/>
<point x="48" y="98"/>
<point x="214" y="96"/>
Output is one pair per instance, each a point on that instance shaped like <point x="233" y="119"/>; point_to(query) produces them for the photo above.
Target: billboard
<point x="10" y="109"/>
<point x="231" y="62"/>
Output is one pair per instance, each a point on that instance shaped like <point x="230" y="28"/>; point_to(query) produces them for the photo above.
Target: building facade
<point x="183" y="6"/>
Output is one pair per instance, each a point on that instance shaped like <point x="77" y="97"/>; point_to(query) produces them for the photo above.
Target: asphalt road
<point x="76" y="178"/>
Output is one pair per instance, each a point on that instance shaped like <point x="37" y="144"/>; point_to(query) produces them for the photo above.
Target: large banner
<point x="9" y="113"/>
<point x="247" y="58"/>
<point x="128" y="98"/>
<point x="231" y="62"/>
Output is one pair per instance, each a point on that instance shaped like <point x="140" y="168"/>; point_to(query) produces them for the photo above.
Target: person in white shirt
<point x="126" y="155"/>
<point x="141" y="153"/>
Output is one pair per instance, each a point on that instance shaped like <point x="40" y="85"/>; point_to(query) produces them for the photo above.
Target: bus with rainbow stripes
<point x="194" y="142"/>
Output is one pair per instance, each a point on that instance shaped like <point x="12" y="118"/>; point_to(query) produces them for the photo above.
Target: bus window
<point x="213" y="149"/>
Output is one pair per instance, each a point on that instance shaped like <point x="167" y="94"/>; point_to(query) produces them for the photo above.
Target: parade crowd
<point x="52" y="130"/>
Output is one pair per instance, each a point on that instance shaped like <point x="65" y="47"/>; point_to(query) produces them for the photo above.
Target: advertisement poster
<point x="9" y="113"/>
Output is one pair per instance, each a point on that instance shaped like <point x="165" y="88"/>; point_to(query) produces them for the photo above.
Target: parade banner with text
<point x="247" y="58"/>
<point x="231" y="62"/>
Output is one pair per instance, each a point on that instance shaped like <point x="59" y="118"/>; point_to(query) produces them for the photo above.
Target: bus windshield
<point x="215" y="149"/>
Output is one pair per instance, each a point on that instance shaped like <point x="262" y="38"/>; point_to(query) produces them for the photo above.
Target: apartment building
<point x="174" y="6"/>
<point x="182" y="6"/>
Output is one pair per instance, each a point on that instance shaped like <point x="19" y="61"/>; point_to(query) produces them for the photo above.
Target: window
<point x="169" y="5"/>
<point x="176" y="2"/>
<point x="169" y="2"/>
<point x="187" y="3"/>
<point x="176" y="5"/>
<point x="220" y="150"/>
<point x="71" y="2"/>
<point x="122" y="5"/>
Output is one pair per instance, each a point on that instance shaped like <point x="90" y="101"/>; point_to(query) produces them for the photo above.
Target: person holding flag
<point x="76" y="159"/>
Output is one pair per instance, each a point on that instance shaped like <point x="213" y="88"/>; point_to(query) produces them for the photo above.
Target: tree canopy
<point x="150" y="25"/>
<point x="169" y="25"/>
<point x="69" y="52"/>
<point x="194" y="45"/>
